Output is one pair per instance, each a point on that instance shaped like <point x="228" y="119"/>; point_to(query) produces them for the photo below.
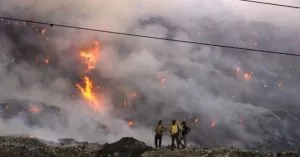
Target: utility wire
<point x="150" y="37"/>
<point x="272" y="4"/>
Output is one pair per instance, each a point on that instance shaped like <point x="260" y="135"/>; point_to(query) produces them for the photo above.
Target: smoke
<point x="198" y="80"/>
<point x="284" y="17"/>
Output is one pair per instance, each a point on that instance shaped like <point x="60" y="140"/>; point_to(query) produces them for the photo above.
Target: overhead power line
<point x="272" y="4"/>
<point x="151" y="37"/>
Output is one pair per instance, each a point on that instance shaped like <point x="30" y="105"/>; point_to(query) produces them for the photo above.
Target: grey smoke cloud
<point x="284" y="17"/>
<point x="199" y="79"/>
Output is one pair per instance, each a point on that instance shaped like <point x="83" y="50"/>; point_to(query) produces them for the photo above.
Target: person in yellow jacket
<point x="159" y="129"/>
<point x="174" y="130"/>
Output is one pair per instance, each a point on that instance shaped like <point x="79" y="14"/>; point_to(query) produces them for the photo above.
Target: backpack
<point x="186" y="130"/>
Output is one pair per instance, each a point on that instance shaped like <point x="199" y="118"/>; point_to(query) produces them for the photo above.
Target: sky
<point x="220" y="84"/>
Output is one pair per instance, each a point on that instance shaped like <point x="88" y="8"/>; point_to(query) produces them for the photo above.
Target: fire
<point x="280" y="84"/>
<point x="213" y="123"/>
<point x="238" y="69"/>
<point x="247" y="76"/>
<point x="43" y="31"/>
<point x="242" y="124"/>
<point x="163" y="82"/>
<point x="46" y="61"/>
<point x="88" y="94"/>
<point x="124" y="103"/>
<point x="131" y="123"/>
<point x="34" y="109"/>
<point x="91" y="56"/>
<point x="132" y="95"/>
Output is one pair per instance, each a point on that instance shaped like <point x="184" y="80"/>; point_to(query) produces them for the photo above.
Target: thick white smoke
<point x="196" y="78"/>
<point x="284" y="17"/>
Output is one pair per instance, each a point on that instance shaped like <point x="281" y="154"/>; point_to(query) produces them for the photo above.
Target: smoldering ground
<point x="197" y="80"/>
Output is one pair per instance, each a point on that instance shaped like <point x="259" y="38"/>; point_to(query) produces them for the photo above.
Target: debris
<point x="16" y="146"/>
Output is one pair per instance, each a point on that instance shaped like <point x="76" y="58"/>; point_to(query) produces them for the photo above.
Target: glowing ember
<point x="247" y="76"/>
<point x="46" y="61"/>
<point x="280" y="85"/>
<point x="242" y="123"/>
<point x="43" y="31"/>
<point x="213" y="123"/>
<point x="124" y="103"/>
<point x="196" y="120"/>
<point x="134" y="94"/>
<point x="238" y="69"/>
<point x="88" y="94"/>
<point x="131" y="123"/>
<point x="34" y="109"/>
<point x="91" y="56"/>
<point x="163" y="82"/>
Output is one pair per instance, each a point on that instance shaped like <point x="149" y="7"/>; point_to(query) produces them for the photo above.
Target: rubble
<point x="17" y="146"/>
<point x="126" y="147"/>
<point x="221" y="152"/>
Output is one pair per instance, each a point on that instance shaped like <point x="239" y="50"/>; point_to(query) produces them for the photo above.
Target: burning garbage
<point x="87" y="92"/>
<point x="90" y="56"/>
<point x="34" y="109"/>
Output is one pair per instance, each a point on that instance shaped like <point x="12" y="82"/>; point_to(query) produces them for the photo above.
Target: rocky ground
<point x="16" y="146"/>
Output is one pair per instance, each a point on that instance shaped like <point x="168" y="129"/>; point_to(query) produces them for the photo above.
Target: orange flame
<point x="124" y="103"/>
<point x="163" y="82"/>
<point x="43" y="31"/>
<point x="91" y="56"/>
<point x="213" y="123"/>
<point x="247" y="76"/>
<point x="238" y="69"/>
<point x="88" y="94"/>
<point x="280" y="84"/>
<point x="242" y="124"/>
<point x="34" y="109"/>
<point x="196" y="120"/>
<point x="133" y="95"/>
<point x="131" y="123"/>
<point x="46" y="61"/>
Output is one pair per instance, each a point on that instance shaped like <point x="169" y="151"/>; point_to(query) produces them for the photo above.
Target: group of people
<point x="177" y="128"/>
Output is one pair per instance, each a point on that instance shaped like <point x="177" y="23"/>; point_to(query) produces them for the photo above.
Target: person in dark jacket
<point x="184" y="133"/>
<point x="159" y="129"/>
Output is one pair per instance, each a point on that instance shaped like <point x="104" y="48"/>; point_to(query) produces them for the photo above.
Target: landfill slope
<point x="20" y="146"/>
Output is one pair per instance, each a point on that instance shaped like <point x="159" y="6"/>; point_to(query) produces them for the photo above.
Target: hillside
<point x="13" y="146"/>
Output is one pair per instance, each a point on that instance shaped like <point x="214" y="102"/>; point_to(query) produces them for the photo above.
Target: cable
<point x="151" y="37"/>
<point x="272" y="4"/>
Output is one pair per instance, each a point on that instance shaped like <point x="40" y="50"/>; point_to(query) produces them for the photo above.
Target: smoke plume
<point x="240" y="98"/>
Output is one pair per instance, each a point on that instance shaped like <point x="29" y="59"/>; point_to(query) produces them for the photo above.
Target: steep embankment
<point x="125" y="147"/>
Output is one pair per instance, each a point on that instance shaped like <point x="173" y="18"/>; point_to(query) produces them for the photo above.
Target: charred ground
<point x="126" y="147"/>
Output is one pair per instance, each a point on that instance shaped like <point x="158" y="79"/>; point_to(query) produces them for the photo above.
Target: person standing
<point x="184" y="133"/>
<point x="174" y="134"/>
<point x="159" y="129"/>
